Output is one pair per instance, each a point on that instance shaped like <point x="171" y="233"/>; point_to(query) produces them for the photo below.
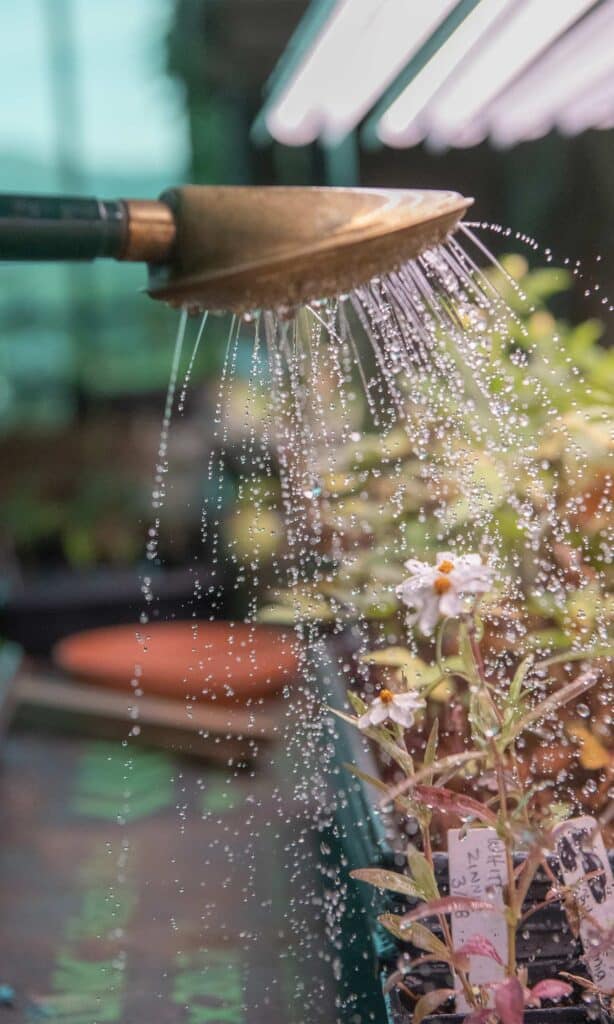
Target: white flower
<point x="398" y="707"/>
<point x="437" y="591"/>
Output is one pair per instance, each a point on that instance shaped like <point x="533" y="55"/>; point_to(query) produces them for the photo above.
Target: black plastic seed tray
<point x="398" y="1012"/>
<point x="368" y="838"/>
<point x="438" y="975"/>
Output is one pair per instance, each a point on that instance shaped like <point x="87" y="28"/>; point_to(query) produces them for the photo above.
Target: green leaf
<point x="427" y="676"/>
<point x="454" y="665"/>
<point x="446" y="667"/>
<point x="422" y="938"/>
<point x="357" y="703"/>
<point x="517" y="683"/>
<point x="415" y="671"/>
<point x="466" y="654"/>
<point x="544" y="282"/>
<point x="365" y="777"/>
<point x="429" y="1002"/>
<point x="446" y="764"/>
<point x="350" y="719"/>
<point x="542" y="638"/>
<point x="418" y="934"/>
<point x="430" y="752"/>
<point x="289" y="615"/>
<point x="555" y="701"/>
<point x="393" y="881"/>
<point x="422" y="874"/>
<point x="382" y="608"/>
<point x="483" y="714"/>
<point x="393" y="657"/>
<point x="582" y="342"/>
<point x="392" y="923"/>
<point x="588" y="654"/>
<point x="405" y="803"/>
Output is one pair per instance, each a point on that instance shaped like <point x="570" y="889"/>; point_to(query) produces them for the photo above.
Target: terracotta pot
<point x="222" y="661"/>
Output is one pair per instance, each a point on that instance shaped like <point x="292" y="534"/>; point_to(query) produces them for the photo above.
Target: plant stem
<point x="479" y="664"/>
<point x="512" y="909"/>
<point x="475" y="650"/>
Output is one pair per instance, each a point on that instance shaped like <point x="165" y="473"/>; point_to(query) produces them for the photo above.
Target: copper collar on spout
<point x="150" y="232"/>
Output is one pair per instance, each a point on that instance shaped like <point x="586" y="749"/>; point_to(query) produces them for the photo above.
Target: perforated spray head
<point x="246" y="248"/>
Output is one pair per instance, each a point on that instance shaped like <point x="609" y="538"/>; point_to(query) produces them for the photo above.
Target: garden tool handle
<point x="38" y="227"/>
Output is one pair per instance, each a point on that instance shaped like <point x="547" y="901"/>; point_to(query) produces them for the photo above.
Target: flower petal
<point x="404" y="716"/>
<point x="470" y="560"/>
<point x="450" y="604"/>
<point x="364" y="722"/>
<point x="415" y="566"/>
<point x="410" y="699"/>
<point x="446" y="556"/>
<point x="429" y="614"/>
<point x="380" y="711"/>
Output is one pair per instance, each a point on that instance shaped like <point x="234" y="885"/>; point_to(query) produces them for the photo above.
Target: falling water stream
<point x="413" y="392"/>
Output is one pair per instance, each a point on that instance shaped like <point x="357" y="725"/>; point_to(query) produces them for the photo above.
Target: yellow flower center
<point x="442" y="584"/>
<point x="445" y="566"/>
<point x="386" y="696"/>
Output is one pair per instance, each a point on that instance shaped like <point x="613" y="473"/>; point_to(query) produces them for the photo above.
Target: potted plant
<point x="442" y="926"/>
<point x="377" y="506"/>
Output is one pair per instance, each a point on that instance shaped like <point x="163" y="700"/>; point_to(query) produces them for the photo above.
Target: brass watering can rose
<point x="234" y="247"/>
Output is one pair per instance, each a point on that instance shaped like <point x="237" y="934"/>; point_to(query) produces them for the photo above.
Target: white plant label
<point x="586" y="870"/>
<point x="476" y="859"/>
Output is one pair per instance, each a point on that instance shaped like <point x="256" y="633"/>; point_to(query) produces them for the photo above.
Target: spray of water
<point x="407" y="417"/>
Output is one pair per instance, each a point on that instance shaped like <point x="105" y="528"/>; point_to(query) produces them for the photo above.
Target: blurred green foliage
<point x="379" y="501"/>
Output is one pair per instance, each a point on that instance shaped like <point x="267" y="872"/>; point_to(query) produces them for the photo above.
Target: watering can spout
<point x="81" y="228"/>
<point x="233" y="247"/>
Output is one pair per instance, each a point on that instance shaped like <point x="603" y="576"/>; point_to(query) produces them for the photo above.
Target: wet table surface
<point x="136" y="886"/>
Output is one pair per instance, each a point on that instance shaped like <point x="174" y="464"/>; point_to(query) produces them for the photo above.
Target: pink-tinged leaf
<point x="430" y="1002"/>
<point x="509" y="1001"/>
<point x="550" y="988"/>
<point x="445" y="905"/>
<point x="443" y="799"/>
<point x="477" y="945"/>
